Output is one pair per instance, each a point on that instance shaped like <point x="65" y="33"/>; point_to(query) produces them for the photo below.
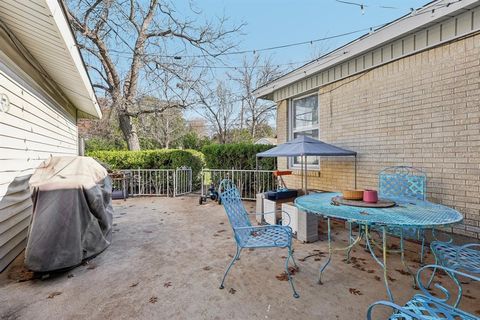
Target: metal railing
<point x="248" y="182"/>
<point x="182" y="181"/>
<point x="158" y="182"/>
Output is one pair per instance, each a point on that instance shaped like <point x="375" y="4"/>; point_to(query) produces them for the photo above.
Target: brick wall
<point x="422" y="110"/>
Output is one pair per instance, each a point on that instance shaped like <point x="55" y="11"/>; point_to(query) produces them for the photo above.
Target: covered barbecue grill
<point x="72" y="213"/>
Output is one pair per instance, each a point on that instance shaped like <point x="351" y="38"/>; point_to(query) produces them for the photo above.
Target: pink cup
<point x="370" y="196"/>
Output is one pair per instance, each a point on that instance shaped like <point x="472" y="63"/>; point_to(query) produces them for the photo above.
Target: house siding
<point x="422" y="110"/>
<point x="35" y="128"/>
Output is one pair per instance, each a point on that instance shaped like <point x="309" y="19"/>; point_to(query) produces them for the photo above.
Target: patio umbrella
<point x="304" y="146"/>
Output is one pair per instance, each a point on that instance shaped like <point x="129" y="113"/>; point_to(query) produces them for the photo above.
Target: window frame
<point x="292" y="131"/>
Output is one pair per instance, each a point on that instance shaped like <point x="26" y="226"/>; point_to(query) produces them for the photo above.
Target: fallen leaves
<point x="355" y="292"/>
<point x="377" y="278"/>
<point x="220" y="231"/>
<point x="232" y="291"/>
<point x="167" y="284"/>
<point x="54" y="294"/>
<point x="284" y="276"/>
<point x="401" y="271"/>
<point x="207" y="268"/>
<point x="91" y="266"/>
<point x="133" y="285"/>
<point x="153" y="299"/>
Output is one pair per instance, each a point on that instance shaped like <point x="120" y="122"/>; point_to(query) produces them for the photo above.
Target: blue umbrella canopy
<point x="305" y="146"/>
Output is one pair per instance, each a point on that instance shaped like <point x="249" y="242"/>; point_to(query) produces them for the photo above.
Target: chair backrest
<point x="232" y="202"/>
<point x="402" y="182"/>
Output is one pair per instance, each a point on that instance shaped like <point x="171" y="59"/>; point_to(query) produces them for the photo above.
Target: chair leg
<point x="293" y="260"/>
<point x="235" y="258"/>
<point x="422" y="251"/>
<point x="290" y="255"/>
<point x="434" y="269"/>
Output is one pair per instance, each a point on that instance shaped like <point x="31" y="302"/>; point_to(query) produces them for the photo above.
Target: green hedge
<point x="152" y="159"/>
<point x="236" y="155"/>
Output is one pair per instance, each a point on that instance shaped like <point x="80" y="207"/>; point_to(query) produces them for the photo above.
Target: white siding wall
<point x="34" y="128"/>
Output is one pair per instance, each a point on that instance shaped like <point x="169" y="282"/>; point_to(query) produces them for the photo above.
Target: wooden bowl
<point x="352" y="194"/>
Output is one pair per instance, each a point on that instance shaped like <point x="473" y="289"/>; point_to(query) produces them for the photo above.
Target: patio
<point x="166" y="261"/>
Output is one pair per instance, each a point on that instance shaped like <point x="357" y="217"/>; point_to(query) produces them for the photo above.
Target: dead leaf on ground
<point x="220" y="231"/>
<point x="134" y="284"/>
<point x="477" y="311"/>
<point x="54" y="294"/>
<point x="167" y="284"/>
<point x="293" y="270"/>
<point x="232" y="291"/>
<point x="153" y="299"/>
<point x="391" y="279"/>
<point x="401" y="271"/>
<point x="222" y="223"/>
<point x="377" y="278"/>
<point x="282" y="276"/>
<point x="370" y="271"/>
<point x="469" y="297"/>
<point x="91" y="266"/>
<point x="206" y="268"/>
<point x="216" y="235"/>
<point x="355" y="291"/>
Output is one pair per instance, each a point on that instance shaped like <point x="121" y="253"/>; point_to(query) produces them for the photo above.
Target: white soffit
<point x="43" y="29"/>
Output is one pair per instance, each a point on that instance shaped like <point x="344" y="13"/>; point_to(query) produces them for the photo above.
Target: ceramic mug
<point x="370" y="196"/>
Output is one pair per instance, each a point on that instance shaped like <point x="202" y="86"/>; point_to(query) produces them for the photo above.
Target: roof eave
<point x="394" y="30"/>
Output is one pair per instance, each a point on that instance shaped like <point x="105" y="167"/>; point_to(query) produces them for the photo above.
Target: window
<point x="303" y="120"/>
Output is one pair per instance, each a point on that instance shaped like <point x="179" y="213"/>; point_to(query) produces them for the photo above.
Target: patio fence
<point x="155" y="182"/>
<point x="248" y="182"/>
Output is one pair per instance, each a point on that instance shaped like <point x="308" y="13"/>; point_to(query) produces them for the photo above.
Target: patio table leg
<point x="384" y="263"/>
<point x="402" y="258"/>
<point x="331" y="249"/>
<point x="329" y="252"/>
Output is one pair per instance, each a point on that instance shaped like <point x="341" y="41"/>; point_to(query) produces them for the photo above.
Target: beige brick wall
<point x="422" y="110"/>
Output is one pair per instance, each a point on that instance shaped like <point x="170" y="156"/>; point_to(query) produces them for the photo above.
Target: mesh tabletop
<point x="411" y="212"/>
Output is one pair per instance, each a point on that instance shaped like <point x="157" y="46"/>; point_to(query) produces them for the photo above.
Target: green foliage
<point x="191" y="140"/>
<point x="97" y="143"/>
<point x="236" y="155"/>
<point x="152" y="159"/>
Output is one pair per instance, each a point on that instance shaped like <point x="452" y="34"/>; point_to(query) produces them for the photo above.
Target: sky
<point x="270" y="23"/>
<point x="278" y="22"/>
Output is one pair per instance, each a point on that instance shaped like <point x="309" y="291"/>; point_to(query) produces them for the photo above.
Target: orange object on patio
<point x="279" y="173"/>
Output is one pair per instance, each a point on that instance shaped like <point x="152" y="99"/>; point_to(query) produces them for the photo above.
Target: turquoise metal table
<point x="406" y="213"/>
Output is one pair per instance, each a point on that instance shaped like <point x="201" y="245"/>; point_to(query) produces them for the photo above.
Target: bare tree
<point x="251" y="75"/>
<point x="130" y="44"/>
<point x="219" y="110"/>
<point x="165" y="127"/>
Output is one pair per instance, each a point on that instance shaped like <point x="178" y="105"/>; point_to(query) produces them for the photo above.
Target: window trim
<point x="291" y="131"/>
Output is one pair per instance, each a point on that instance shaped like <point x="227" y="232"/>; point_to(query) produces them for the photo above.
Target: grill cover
<point x="72" y="213"/>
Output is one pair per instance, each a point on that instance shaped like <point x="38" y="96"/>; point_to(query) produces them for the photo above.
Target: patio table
<point x="407" y="213"/>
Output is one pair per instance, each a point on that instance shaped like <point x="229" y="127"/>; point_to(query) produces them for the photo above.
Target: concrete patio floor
<point x="166" y="261"/>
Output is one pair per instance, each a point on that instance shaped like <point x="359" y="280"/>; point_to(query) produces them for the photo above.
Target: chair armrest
<point x="274" y="212"/>
<point x="468" y="247"/>
<point x="450" y="272"/>
<point x="395" y="307"/>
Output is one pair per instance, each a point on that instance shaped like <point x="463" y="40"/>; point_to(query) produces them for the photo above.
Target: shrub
<point x="95" y="144"/>
<point x="237" y="156"/>
<point x="152" y="159"/>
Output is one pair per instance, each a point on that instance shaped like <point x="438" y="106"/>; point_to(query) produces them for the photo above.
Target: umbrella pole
<point x="355" y="171"/>
<point x="306" y="175"/>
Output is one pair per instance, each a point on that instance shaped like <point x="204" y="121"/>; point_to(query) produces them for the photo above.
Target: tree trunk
<point x="129" y="130"/>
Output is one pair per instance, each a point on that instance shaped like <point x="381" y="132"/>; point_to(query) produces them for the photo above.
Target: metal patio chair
<point x="426" y="306"/>
<point x="465" y="258"/>
<point x="402" y="183"/>
<point x="248" y="236"/>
